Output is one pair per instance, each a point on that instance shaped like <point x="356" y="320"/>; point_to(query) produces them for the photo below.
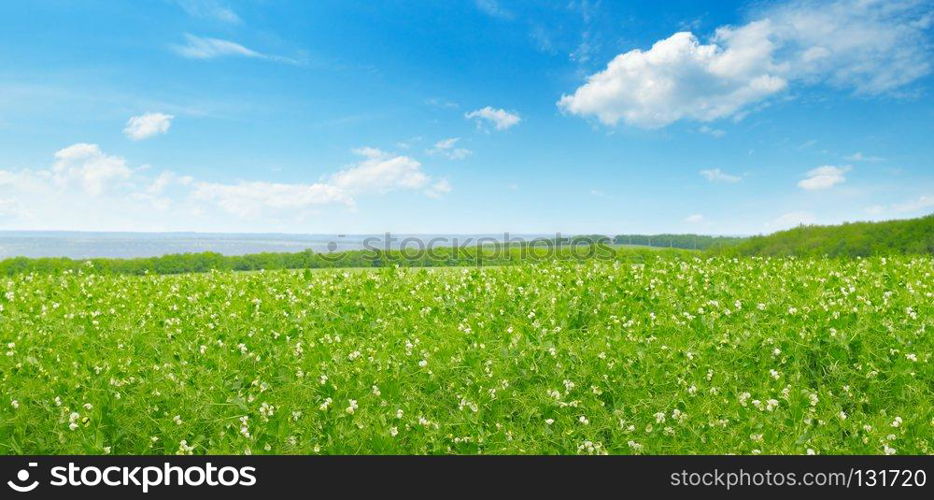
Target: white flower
<point x="15" y="404"/>
<point x="549" y="421"/>
<point x="184" y="448"/>
<point x="897" y="422"/>
<point x="351" y="406"/>
<point x="177" y="419"/>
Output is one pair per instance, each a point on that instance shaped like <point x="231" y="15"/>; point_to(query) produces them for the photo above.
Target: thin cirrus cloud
<point x="824" y="177"/>
<point x="209" y="9"/>
<point x="868" y="46"/>
<point x="196" y="47"/>
<point x="147" y="125"/>
<point x="862" y="157"/>
<point x="447" y="148"/>
<point x="718" y="175"/>
<point x="493" y="8"/>
<point x="500" y="119"/>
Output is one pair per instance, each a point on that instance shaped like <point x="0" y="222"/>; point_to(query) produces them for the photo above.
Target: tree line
<point x="487" y="255"/>
<point x="855" y="239"/>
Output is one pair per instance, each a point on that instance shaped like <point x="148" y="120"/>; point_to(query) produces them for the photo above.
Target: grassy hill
<point x="856" y="239"/>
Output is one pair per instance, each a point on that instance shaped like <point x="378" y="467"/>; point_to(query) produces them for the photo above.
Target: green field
<point x="677" y="355"/>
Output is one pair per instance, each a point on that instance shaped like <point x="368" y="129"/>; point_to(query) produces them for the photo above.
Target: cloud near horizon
<point x="86" y="185"/>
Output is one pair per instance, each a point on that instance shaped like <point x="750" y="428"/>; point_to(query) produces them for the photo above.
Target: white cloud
<point x="717" y="175"/>
<point x="438" y="189"/>
<point x="868" y="46"/>
<point x="147" y="125"/>
<point x="210" y="48"/>
<point x="209" y="9"/>
<point x="922" y="204"/>
<point x="677" y="78"/>
<point x="694" y="219"/>
<point x="253" y="199"/>
<point x="713" y="132"/>
<point x="824" y="177"/>
<point x="88" y="189"/>
<point x="88" y="167"/>
<point x="440" y="103"/>
<point x="380" y="172"/>
<point x="165" y="179"/>
<point x="447" y="148"/>
<point x="792" y="219"/>
<point x="499" y="118"/>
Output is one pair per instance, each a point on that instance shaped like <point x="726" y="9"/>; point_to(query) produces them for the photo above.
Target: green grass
<point x="676" y="356"/>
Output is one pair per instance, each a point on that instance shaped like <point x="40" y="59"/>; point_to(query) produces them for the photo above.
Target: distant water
<point x="80" y="245"/>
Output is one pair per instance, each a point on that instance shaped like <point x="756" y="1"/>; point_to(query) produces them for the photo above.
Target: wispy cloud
<point x="448" y="149"/>
<point x="197" y="47"/>
<point x="147" y="125"/>
<point x="718" y="175"/>
<point x="493" y="8"/>
<point x="861" y="157"/>
<point x="824" y="177"/>
<point x="440" y="103"/>
<point x="918" y="205"/>
<point x="712" y="132"/>
<point x="209" y="9"/>
<point x="499" y="118"/>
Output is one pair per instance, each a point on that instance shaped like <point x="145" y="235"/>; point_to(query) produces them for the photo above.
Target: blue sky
<point x="463" y="116"/>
